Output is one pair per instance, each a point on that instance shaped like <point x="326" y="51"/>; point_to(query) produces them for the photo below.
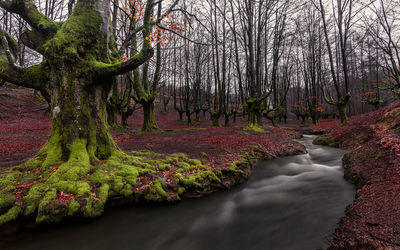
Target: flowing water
<point x="293" y="202"/>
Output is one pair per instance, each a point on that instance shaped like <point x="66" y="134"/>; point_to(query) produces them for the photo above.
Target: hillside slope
<point x="373" y="220"/>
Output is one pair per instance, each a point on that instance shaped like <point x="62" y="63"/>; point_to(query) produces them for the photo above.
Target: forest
<point x="123" y="108"/>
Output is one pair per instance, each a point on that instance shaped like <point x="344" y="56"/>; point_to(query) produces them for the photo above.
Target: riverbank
<point x="372" y="221"/>
<point x="296" y="201"/>
<point x="181" y="162"/>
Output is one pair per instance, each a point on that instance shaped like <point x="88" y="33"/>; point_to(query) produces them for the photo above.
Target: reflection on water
<point x="289" y="203"/>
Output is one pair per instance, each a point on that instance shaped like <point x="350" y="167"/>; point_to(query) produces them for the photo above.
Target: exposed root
<point x="49" y="190"/>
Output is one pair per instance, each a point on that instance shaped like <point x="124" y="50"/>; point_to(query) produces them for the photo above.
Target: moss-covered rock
<point x="326" y="140"/>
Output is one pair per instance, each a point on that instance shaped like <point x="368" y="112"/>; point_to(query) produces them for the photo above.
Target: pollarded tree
<point x="79" y="66"/>
<point x="77" y="71"/>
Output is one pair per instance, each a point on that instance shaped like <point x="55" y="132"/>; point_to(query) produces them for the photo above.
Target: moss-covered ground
<point x="183" y="161"/>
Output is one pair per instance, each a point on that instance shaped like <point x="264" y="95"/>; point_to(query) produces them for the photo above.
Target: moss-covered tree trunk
<point x="342" y="108"/>
<point x="80" y="65"/>
<point x="188" y="116"/>
<point x="126" y="113"/>
<point x="144" y="91"/>
<point x="315" y="117"/>
<point x="79" y="120"/>
<point x="68" y="177"/>
<point x="149" y="120"/>
<point x="113" y="107"/>
<point x="250" y="107"/>
<point x="341" y="105"/>
<point x="259" y="117"/>
<point x="215" y="118"/>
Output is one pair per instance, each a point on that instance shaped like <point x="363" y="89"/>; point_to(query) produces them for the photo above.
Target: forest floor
<point x="181" y="161"/>
<point x="373" y="165"/>
<point x="371" y="222"/>
<point x="25" y="128"/>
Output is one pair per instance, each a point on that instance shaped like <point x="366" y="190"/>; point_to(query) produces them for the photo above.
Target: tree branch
<point x="110" y="70"/>
<point x="35" y="77"/>
<point x="43" y="28"/>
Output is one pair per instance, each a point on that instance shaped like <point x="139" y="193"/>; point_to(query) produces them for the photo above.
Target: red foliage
<point x="373" y="220"/>
<point x="22" y="188"/>
<point x="64" y="197"/>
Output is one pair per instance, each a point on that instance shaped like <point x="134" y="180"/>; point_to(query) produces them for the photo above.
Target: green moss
<point x="73" y="207"/>
<point x="103" y="194"/>
<point x="203" y="154"/>
<point x="189" y="182"/>
<point x="164" y="167"/>
<point x="80" y="31"/>
<point x="6" y="200"/>
<point x="90" y="186"/>
<point x="157" y="192"/>
<point x="254" y="128"/>
<point x="47" y="208"/>
<point x="51" y="152"/>
<point x="233" y="167"/>
<point x="326" y="140"/>
<point x="241" y="132"/>
<point x="11" y="215"/>
<point x="255" y="147"/>
<point x="32" y="199"/>
<point x="181" y="190"/>
<point x="1" y="115"/>
<point x="4" y="65"/>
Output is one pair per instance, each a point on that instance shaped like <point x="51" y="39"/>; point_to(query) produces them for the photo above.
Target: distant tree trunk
<point x="215" y="118"/>
<point x="149" y="120"/>
<point x="126" y="114"/>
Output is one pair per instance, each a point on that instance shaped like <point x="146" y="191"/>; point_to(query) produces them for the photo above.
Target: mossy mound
<point x="254" y="128"/>
<point x="49" y="193"/>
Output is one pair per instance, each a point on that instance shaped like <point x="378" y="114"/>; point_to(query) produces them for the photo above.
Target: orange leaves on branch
<point x="124" y="59"/>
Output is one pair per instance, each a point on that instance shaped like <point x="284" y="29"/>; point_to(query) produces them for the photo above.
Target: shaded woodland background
<point x="271" y="58"/>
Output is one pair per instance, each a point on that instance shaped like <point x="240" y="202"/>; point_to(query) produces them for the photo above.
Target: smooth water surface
<point x="288" y="203"/>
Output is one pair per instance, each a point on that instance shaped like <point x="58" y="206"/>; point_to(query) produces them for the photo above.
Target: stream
<point x="292" y="202"/>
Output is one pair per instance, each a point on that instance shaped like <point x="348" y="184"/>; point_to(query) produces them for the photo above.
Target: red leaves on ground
<point x="54" y="168"/>
<point x="373" y="220"/>
<point x="64" y="197"/>
<point x="143" y="183"/>
<point x="391" y="143"/>
<point x="21" y="188"/>
<point x="35" y="170"/>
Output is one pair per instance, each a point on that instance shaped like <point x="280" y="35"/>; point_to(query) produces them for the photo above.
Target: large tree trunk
<point x="79" y="67"/>
<point x="79" y="119"/>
